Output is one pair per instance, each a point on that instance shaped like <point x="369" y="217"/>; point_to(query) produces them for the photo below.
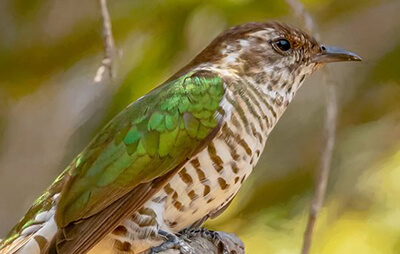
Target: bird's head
<point x="275" y="56"/>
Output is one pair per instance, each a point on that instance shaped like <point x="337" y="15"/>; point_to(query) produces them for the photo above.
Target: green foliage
<point x="387" y="69"/>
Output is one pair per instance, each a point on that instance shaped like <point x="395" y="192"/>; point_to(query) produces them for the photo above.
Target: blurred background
<point x="50" y="109"/>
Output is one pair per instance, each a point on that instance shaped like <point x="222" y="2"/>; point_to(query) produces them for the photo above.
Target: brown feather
<point x="15" y="246"/>
<point x="80" y="236"/>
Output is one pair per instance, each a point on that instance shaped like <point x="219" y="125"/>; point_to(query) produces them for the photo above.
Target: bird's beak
<point x="334" y="54"/>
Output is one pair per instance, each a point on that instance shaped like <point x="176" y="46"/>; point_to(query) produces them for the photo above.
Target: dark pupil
<point x="283" y="45"/>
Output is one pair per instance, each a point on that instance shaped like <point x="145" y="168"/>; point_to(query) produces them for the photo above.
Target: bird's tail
<point x="38" y="227"/>
<point x="33" y="239"/>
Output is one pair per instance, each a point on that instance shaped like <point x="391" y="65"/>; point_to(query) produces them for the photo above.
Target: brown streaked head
<point x="277" y="39"/>
<point x="274" y="56"/>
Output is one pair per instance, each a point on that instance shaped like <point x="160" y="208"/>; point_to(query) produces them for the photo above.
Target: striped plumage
<point x="178" y="155"/>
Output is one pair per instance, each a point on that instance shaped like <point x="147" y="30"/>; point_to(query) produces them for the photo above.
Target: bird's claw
<point x="210" y="235"/>
<point x="172" y="242"/>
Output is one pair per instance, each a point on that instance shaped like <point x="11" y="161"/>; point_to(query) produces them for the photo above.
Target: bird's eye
<point x="283" y="45"/>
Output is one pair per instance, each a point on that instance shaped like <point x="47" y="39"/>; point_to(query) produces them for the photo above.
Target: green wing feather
<point x="147" y="140"/>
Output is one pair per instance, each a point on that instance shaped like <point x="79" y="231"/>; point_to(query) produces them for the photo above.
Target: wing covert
<point x="147" y="140"/>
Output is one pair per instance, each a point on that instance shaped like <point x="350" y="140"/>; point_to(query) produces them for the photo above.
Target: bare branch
<point x="329" y="134"/>
<point x="108" y="43"/>
<point x="325" y="163"/>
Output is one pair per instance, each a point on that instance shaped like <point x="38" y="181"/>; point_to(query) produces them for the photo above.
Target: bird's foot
<point x="210" y="235"/>
<point x="172" y="242"/>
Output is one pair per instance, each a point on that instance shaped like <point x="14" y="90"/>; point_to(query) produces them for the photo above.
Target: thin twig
<point x="329" y="134"/>
<point x="108" y="43"/>
<point x="325" y="163"/>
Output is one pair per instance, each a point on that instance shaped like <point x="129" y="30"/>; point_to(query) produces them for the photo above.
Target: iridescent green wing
<point x="137" y="152"/>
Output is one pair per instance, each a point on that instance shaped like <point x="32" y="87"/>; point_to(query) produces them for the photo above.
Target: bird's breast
<point x="213" y="177"/>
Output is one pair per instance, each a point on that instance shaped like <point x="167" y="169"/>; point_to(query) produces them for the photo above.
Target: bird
<point x="178" y="155"/>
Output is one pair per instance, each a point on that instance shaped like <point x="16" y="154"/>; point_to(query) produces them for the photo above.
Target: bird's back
<point x="139" y="148"/>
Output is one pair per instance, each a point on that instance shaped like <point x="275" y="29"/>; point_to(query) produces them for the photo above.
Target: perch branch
<point x="108" y="44"/>
<point x="329" y="134"/>
<point x="201" y="244"/>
